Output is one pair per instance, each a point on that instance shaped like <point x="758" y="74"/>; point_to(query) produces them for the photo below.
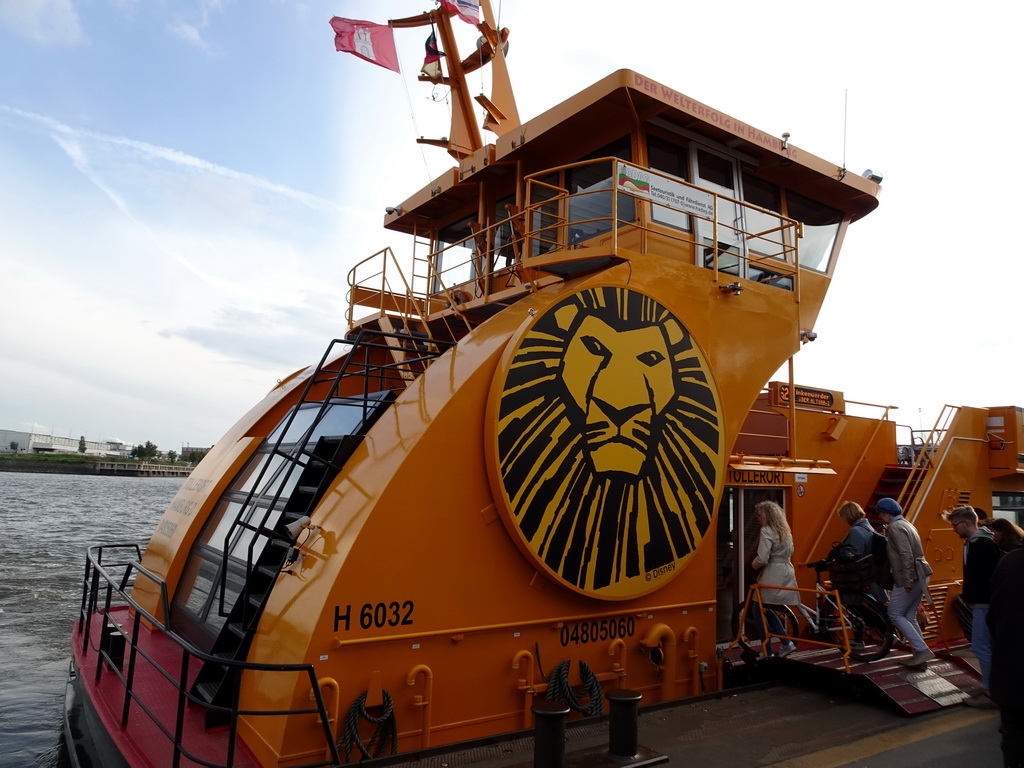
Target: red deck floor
<point x="142" y="742"/>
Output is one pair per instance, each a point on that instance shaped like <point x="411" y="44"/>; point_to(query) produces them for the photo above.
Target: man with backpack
<point x="910" y="572"/>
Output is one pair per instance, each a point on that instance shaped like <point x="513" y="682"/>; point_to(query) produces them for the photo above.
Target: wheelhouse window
<point x="722" y="237"/>
<point x="763" y="230"/>
<point x="670" y="158"/>
<point x="590" y="207"/>
<point x="503" y="247"/>
<point x="821" y="227"/>
<point x="457" y="255"/>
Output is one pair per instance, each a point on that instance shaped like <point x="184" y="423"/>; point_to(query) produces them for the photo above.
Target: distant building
<point x="30" y="442"/>
<point x="188" y="449"/>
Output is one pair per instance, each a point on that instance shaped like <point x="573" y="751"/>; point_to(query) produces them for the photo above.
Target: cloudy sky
<point x="184" y="186"/>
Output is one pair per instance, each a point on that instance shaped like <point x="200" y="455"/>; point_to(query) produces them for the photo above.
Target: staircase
<point x="312" y="462"/>
<point x="897" y="482"/>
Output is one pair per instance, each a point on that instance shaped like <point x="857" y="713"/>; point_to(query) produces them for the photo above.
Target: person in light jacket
<point x="774" y="550"/>
<point x="910" y="572"/>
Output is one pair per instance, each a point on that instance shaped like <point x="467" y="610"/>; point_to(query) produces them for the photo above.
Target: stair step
<point x="206" y="692"/>
<point x="268" y="572"/>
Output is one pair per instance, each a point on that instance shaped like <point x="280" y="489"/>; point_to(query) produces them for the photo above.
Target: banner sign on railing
<point x="658" y="189"/>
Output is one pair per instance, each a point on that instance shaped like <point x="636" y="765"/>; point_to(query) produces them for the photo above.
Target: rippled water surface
<point x="46" y="522"/>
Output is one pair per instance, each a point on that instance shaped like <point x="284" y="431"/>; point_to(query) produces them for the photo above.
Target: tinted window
<point x="821" y="225"/>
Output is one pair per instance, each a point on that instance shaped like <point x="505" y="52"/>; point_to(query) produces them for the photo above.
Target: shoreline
<point x="86" y="467"/>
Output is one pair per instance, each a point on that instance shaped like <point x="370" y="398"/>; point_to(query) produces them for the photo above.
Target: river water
<point x="46" y="522"/>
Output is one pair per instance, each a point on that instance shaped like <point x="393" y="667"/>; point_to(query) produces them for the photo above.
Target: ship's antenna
<point x="846" y="98"/>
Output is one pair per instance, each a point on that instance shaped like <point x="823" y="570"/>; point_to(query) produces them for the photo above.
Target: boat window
<point x="258" y="496"/>
<point x="763" y="231"/>
<point x="503" y="250"/>
<point x="456" y="254"/>
<point x="1009" y="505"/>
<point x="670" y="158"/>
<point x="341" y="417"/>
<point x="718" y="174"/>
<point x="590" y="210"/>
<point x="202" y="575"/>
<point x="821" y="226"/>
<point x="545" y="218"/>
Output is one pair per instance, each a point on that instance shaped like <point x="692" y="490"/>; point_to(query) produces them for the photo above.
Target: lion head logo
<point x="608" y="442"/>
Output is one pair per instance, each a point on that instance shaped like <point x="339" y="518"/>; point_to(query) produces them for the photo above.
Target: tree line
<point x="143" y="451"/>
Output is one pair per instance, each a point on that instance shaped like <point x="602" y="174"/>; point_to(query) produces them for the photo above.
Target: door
<point x="737" y="536"/>
<point x="719" y="174"/>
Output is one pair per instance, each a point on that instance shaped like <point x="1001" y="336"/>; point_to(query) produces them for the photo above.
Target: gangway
<point x="947" y="681"/>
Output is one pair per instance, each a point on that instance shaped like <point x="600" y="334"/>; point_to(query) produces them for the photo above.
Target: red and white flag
<point x="467" y="10"/>
<point x="373" y="42"/>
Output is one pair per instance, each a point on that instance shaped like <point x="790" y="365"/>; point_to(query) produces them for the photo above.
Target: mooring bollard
<point x="622" y="722"/>
<point x="549" y="734"/>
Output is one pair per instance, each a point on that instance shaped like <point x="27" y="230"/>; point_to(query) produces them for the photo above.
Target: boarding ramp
<point x="947" y="681"/>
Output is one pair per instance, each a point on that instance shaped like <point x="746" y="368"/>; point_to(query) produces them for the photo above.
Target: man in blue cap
<point x="910" y="572"/>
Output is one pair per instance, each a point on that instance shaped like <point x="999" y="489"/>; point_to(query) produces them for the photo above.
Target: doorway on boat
<point x="747" y="237"/>
<point x="737" y="545"/>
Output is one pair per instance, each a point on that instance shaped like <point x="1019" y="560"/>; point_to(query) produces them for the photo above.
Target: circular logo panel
<point x="608" y="443"/>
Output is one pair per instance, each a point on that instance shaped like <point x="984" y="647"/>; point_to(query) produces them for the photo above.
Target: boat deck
<point x="806" y="716"/>
<point x="143" y="741"/>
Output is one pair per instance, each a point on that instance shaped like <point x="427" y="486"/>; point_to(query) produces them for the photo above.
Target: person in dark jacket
<point x="980" y="557"/>
<point x="1006" y="624"/>
<point x="861" y="537"/>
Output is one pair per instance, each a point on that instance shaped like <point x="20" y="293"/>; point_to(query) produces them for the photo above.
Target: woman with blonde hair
<point x="774" y="550"/>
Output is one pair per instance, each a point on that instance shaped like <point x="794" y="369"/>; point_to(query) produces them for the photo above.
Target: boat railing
<point x="768" y="426"/>
<point x="934" y="448"/>
<point x="105" y="595"/>
<point x="380" y="283"/>
<point x="557" y="226"/>
<point x="722" y="232"/>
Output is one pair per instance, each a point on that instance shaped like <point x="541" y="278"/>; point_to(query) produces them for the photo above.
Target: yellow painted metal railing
<point x="515" y="255"/>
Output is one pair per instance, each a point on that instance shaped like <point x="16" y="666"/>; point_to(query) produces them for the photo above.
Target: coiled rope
<point x="560" y="690"/>
<point x="385" y="728"/>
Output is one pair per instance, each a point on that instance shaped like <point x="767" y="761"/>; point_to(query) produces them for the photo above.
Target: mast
<point x="465" y="136"/>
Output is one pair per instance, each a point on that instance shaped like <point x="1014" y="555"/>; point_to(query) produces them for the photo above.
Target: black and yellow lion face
<point x="608" y="443"/>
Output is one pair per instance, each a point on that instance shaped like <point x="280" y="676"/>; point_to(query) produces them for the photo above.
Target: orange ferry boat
<point x="528" y="468"/>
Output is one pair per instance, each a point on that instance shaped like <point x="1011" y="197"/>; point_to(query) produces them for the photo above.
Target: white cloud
<point x="189" y="34"/>
<point x="53" y="22"/>
<point x="192" y="32"/>
<point x="140" y="271"/>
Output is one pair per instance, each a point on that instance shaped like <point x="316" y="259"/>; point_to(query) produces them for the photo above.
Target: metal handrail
<point x="924" y="462"/>
<point x="96" y="569"/>
<point x="755" y="592"/>
<point x="545" y="223"/>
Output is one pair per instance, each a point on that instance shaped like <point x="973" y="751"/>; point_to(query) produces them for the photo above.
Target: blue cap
<point x="889" y="507"/>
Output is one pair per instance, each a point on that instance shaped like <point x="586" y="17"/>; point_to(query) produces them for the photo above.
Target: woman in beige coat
<point x="774" y="550"/>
